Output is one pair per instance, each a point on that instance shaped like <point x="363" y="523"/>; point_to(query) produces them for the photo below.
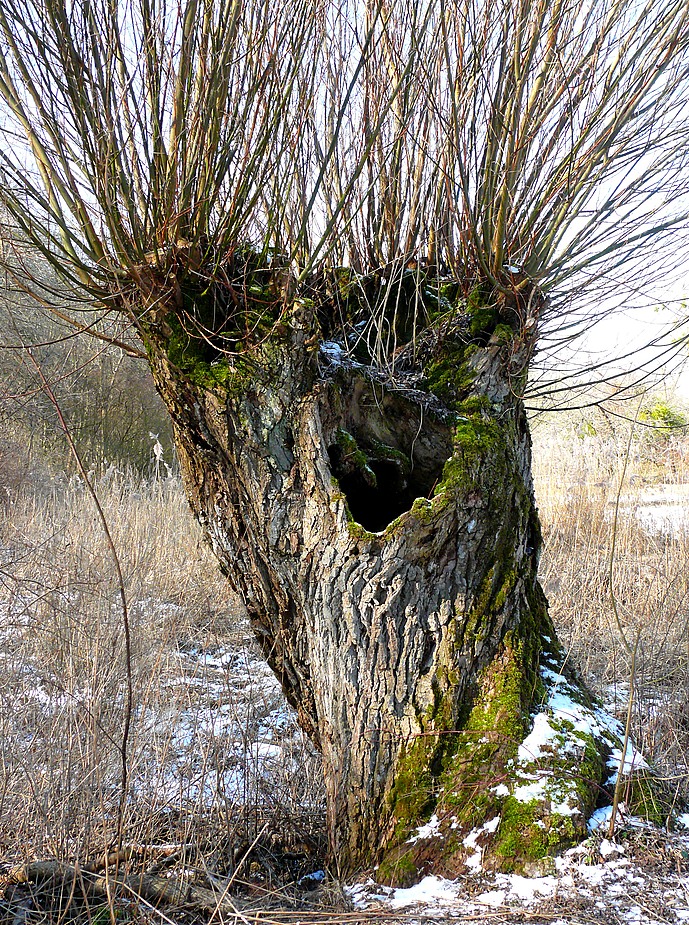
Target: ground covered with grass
<point x="222" y="814"/>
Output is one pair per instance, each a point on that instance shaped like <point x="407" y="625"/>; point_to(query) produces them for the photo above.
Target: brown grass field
<point x="215" y="759"/>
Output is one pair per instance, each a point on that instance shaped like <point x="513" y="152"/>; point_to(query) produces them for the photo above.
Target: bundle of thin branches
<point x="474" y="136"/>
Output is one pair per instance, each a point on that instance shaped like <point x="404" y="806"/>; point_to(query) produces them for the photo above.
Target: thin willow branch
<point x="474" y="137"/>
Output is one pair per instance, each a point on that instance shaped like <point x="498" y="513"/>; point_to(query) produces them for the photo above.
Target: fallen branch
<point x="163" y="890"/>
<point x="128" y="852"/>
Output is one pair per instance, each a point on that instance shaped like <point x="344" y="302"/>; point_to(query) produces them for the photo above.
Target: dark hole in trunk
<point x="386" y="449"/>
<point x="377" y="489"/>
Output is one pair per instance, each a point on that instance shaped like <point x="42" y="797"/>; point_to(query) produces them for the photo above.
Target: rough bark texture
<point x="385" y="540"/>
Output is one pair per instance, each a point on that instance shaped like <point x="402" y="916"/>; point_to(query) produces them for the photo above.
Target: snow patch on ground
<point x="664" y="508"/>
<point x="590" y="878"/>
<point x="215" y="729"/>
<point x="430" y="830"/>
<point x="430" y="890"/>
<point x="226" y="732"/>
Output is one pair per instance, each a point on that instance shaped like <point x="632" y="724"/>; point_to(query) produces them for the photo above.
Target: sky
<point x="638" y="331"/>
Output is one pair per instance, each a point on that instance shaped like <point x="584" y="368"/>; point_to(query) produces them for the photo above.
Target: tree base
<point x="511" y="806"/>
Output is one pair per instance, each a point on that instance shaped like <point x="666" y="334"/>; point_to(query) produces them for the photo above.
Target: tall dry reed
<point x="578" y="468"/>
<point x="213" y="752"/>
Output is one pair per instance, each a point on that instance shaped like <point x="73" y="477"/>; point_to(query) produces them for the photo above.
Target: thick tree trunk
<point x="384" y="538"/>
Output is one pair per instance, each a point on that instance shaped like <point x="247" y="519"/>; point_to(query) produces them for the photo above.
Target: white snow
<point x="668" y="518"/>
<point x="597" y="876"/>
<point x="633" y="760"/>
<point x="607" y="848"/>
<point x="216" y="730"/>
<point x="318" y="876"/>
<point x="664" y="508"/>
<point x="535" y="789"/>
<point x="528" y="888"/>
<point x="431" y="889"/>
<point x="561" y="731"/>
<point x="491" y="898"/>
<point x="473" y="861"/>
<point x="333" y="351"/>
<point x="430" y="830"/>
<point x="539" y="739"/>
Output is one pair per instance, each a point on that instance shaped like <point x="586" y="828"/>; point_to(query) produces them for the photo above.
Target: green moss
<point x="478" y="447"/>
<point x="499" y="717"/>
<point x="192" y="356"/>
<point x="383" y="452"/>
<point x="483" y="313"/>
<point x="357" y="532"/>
<point x="449" y="376"/>
<point x="528" y="833"/>
<point x="412" y="796"/>
<point x="222" y="335"/>
<point x="501" y="710"/>
<point x="483" y="321"/>
<point x="519" y="834"/>
<point x="662" y="414"/>
<point x="353" y="458"/>
<point x="503" y="334"/>
<point x="476" y="405"/>
<point x="399" y="868"/>
<point x="451" y="291"/>
<point x="490" y="738"/>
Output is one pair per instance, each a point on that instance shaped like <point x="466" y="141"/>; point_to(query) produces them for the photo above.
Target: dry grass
<point x="215" y="756"/>
<point x="577" y="474"/>
<point x="213" y="751"/>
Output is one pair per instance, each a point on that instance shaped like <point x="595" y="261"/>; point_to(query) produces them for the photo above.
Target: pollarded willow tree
<point x="339" y="230"/>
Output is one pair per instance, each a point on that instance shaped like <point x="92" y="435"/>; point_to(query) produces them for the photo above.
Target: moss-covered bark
<point x="382" y="531"/>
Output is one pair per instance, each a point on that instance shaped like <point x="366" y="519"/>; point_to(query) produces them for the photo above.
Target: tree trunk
<point x="383" y="535"/>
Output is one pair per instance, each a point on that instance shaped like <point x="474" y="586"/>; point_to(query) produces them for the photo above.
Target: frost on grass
<point x="225" y="736"/>
<point x="211" y="734"/>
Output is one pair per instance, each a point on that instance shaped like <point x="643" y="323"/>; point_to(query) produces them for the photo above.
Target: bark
<point x="383" y="536"/>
